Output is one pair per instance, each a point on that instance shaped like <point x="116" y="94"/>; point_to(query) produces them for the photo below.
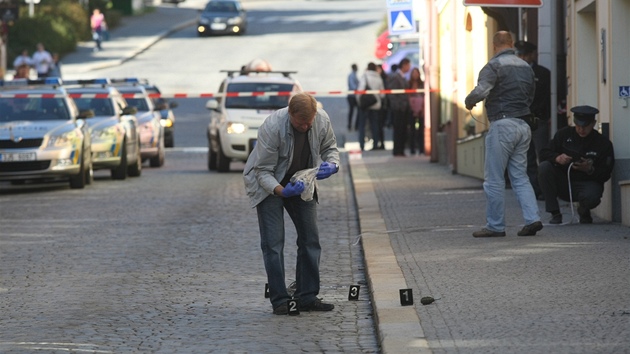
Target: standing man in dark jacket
<point x="506" y="82"/>
<point x="399" y="106"/>
<point x="586" y="156"/>
<point x="541" y="108"/>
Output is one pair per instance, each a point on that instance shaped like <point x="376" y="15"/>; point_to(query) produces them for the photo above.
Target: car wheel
<point x="223" y="162"/>
<point x="212" y="158"/>
<point x="135" y="170"/>
<point x="120" y="172"/>
<point x="169" y="142"/>
<point x="79" y="180"/>
<point x="158" y="161"/>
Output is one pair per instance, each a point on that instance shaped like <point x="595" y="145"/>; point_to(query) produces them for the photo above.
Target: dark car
<point x="222" y="17"/>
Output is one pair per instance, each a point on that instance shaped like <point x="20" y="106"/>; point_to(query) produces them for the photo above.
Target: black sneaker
<point x="488" y="233"/>
<point x="317" y="305"/>
<point x="585" y="215"/>
<point x="281" y="309"/>
<point x="556" y="219"/>
<point x="531" y="229"/>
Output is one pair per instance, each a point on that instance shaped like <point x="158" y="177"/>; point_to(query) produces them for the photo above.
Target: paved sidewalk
<point x="564" y="291"/>
<point x="135" y="35"/>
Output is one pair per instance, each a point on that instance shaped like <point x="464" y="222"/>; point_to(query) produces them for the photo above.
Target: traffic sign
<point x="624" y="91"/>
<point x="504" y="3"/>
<point x="401" y="21"/>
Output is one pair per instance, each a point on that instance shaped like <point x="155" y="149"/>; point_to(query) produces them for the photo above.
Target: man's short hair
<point x="403" y="62"/>
<point x="524" y="48"/>
<point x="302" y="106"/>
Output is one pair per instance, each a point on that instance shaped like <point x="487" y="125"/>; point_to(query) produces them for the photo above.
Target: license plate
<point x="218" y="26"/>
<point x="18" y="156"/>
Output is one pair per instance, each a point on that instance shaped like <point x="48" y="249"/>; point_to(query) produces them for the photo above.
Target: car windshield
<point x="221" y="6"/>
<point x="139" y="103"/>
<point x="100" y="106"/>
<point x="33" y="109"/>
<point x="258" y="102"/>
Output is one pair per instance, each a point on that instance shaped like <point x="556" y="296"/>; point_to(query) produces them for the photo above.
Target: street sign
<point x="504" y="3"/>
<point x="624" y="91"/>
<point x="401" y="21"/>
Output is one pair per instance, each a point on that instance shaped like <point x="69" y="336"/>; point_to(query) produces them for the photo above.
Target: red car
<point x="382" y="45"/>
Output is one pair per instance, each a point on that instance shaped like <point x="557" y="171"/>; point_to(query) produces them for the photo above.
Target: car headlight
<point x="167" y="123"/>
<point x="234" y="21"/>
<point x="204" y="21"/>
<point x="236" y="128"/>
<point x="61" y="140"/>
<point x="105" y="134"/>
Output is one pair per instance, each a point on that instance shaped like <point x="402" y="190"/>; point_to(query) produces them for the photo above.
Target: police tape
<point x="215" y="95"/>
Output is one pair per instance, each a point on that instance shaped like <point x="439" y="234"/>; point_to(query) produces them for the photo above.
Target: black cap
<point x="584" y="115"/>
<point x="523" y="47"/>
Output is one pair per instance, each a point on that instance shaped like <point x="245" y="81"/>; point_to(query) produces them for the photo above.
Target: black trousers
<point x="400" y="121"/>
<point x="554" y="184"/>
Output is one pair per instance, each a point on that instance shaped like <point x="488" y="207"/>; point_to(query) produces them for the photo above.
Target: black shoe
<point x="556" y="219"/>
<point x="488" y="233"/>
<point x="317" y="305"/>
<point x="531" y="229"/>
<point x="585" y="215"/>
<point x="281" y="309"/>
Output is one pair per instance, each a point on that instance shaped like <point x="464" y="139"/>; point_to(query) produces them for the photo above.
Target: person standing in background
<point x="42" y="61"/>
<point x="382" y="113"/>
<point x="353" y="83"/>
<point x="416" y="121"/>
<point x="55" y="67"/>
<point x="399" y="105"/>
<point x="541" y="108"/>
<point x="96" y="23"/>
<point x="371" y="80"/>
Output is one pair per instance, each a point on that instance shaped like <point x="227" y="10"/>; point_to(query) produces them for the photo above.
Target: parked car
<point x="411" y="51"/>
<point x="175" y="2"/>
<point x="113" y="127"/>
<point x="165" y="108"/>
<point x="41" y="134"/>
<point x="152" y="142"/>
<point x="234" y="120"/>
<point x="222" y="17"/>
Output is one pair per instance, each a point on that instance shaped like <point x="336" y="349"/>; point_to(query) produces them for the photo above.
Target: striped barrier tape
<point x="214" y="95"/>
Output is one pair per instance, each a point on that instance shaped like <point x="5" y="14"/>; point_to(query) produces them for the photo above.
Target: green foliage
<point x="59" y="25"/>
<point x="27" y="32"/>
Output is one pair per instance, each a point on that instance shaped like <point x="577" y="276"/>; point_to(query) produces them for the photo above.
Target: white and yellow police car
<point x="113" y="126"/>
<point x="42" y="136"/>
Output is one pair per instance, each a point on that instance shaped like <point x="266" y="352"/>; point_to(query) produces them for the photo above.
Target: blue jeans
<point x="507" y="143"/>
<point x="271" y="224"/>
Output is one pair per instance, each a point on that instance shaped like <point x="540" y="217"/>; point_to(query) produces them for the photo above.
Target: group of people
<point x="44" y="63"/>
<point x="572" y="166"/>
<point x="404" y="112"/>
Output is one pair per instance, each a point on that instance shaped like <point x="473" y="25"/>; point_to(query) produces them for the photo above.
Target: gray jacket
<point x="397" y="81"/>
<point x="507" y="83"/>
<point x="273" y="153"/>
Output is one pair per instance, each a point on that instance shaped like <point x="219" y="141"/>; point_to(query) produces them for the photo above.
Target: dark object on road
<point x="427" y="300"/>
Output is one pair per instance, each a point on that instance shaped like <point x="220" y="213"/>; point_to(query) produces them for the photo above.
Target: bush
<point x="59" y="26"/>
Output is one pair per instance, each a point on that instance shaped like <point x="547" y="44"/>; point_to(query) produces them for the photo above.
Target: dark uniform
<point x="586" y="187"/>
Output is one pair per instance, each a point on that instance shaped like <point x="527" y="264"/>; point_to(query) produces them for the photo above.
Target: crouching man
<point x="575" y="165"/>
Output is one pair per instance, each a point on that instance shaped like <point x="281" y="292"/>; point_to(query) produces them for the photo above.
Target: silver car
<point x="41" y="134"/>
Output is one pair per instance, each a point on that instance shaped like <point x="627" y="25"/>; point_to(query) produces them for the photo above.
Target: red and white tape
<point x="214" y="95"/>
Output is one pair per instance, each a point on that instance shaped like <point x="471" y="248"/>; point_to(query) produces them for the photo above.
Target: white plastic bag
<point x="307" y="177"/>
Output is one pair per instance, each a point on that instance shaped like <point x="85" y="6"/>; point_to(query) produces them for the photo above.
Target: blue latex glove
<point x="292" y="189"/>
<point x="326" y="169"/>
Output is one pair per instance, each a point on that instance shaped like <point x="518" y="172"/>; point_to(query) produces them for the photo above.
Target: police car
<point x="244" y="100"/>
<point x="152" y="140"/>
<point x="41" y="134"/>
<point x="166" y="112"/>
<point x="113" y="127"/>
